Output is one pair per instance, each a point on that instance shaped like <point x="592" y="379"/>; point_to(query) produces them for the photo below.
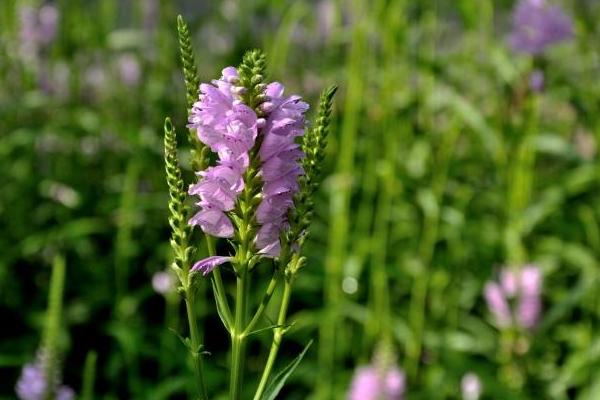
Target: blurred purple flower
<point x="38" y="29"/>
<point x="497" y="304"/>
<point x="530" y="304"/>
<point x="54" y="79"/>
<point x="129" y="69"/>
<point x="48" y="23"/>
<point x="537" y="81"/>
<point x="229" y="128"/>
<point x="525" y="287"/>
<point x="163" y="282"/>
<point x="33" y="384"/>
<point x="279" y="154"/>
<point x="470" y="386"/>
<point x="537" y="25"/>
<point x="372" y="383"/>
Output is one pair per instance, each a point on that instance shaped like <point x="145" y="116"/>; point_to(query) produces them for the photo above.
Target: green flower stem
<point x="195" y="342"/>
<point x="180" y="244"/>
<point x="238" y="337"/>
<point x="168" y="341"/>
<point x="263" y="304"/>
<point x="220" y="292"/>
<point x="278" y="333"/>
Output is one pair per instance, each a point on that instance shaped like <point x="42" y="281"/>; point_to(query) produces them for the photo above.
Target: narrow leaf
<point x="220" y="309"/>
<point x="279" y="380"/>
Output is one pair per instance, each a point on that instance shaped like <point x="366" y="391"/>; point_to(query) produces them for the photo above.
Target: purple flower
<point x="229" y="128"/>
<point x="470" y="386"/>
<point x="280" y="156"/>
<point x="208" y="264"/>
<point x="537" y="25"/>
<point x="523" y="287"/>
<point x="372" y="383"/>
<point x="33" y="384"/>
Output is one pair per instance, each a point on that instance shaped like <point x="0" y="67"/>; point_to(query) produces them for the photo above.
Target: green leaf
<point x="221" y="308"/>
<point x="266" y="328"/>
<point x="279" y="380"/>
<point x="184" y="340"/>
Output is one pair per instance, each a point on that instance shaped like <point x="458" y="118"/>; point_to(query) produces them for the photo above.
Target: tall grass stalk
<point x="340" y="203"/>
<point x="89" y="376"/>
<point x="124" y="242"/>
<point x="379" y="327"/>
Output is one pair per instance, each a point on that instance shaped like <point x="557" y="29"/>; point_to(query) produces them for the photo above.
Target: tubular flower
<point x="537" y="25"/>
<point x="525" y="288"/>
<point x="229" y="128"/>
<point x="208" y="264"/>
<point x="280" y="155"/>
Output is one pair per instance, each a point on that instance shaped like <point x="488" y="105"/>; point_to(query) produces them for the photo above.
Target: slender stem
<point x="238" y="338"/>
<point x="263" y="304"/>
<point x="278" y="333"/>
<point x="195" y="343"/>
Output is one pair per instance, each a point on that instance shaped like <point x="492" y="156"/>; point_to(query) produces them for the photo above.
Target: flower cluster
<point x="229" y="128"/>
<point x="520" y="289"/>
<point x="232" y="129"/>
<point x="538" y="25"/>
<point x="372" y="383"/>
<point x="33" y="383"/>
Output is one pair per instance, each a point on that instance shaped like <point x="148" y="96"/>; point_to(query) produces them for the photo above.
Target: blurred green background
<point x="438" y="172"/>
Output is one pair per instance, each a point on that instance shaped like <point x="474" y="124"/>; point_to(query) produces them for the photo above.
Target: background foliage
<point x="414" y="215"/>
